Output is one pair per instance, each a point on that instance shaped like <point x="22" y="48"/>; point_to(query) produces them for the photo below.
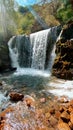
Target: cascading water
<point x="36" y="51"/>
<point x="20" y="51"/>
<point x="13" y="53"/>
<point x="39" y="49"/>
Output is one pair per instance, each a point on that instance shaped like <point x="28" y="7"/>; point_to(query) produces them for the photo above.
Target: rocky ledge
<point x="63" y="65"/>
<point x="30" y="114"/>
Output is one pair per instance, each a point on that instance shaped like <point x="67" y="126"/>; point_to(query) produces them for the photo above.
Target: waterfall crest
<point x="34" y="51"/>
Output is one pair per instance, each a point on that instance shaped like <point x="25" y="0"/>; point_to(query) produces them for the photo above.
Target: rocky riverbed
<point x="31" y="113"/>
<point x="36" y="108"/>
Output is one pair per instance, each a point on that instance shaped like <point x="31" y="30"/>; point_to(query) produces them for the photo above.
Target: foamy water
<point x="56" y="86"/>
<point x="32" y="72"/>
<point x="2" y="98"/>
<point x="61" y="87"/>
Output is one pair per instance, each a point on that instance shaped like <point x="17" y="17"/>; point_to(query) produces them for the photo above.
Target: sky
<point x="27" y="2"/>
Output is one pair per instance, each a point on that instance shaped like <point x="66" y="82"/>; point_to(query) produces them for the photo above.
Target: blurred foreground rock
<point x="14" y="96"/>
<point x="31" y="114"/>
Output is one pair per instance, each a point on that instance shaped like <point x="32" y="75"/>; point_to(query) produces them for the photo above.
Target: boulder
<point x="14" y="96"/>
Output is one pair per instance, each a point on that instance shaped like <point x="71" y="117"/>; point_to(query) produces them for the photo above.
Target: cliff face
<point x="4" y="56"/>
<point x="63" y="64"/>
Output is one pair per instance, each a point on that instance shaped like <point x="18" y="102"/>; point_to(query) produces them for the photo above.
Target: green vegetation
<point x="25" y="23"/>
<point x="8" y="17"/>
<point x="65" y="12"/>
<point x="18" y="19"/>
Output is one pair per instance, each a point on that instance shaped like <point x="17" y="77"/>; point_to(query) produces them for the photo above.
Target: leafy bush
<point x="25" y="24"/>
<point x="65" y="13"/>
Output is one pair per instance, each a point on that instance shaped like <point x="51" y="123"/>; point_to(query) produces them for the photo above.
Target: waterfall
<point x="39" y="49"/>
<point x="43" y="44"/>
<point x="35" y="51"/>
<point x="20" y="50"/>
<point x="13" y="52"/>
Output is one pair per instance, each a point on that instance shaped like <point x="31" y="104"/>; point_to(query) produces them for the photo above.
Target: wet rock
<point x="63" y="99"/>
<point x="53" y="121"/>
<point x="14" y="96"/>
<point x="65" y="117"/>
<point x="71" y="117"/>
<point x="70" y="109"/>
<point x="63" y="126"/>
<point x="52" y="111"/>
<point x="30" y="102"/>
<point x="57" y="114"/>
<point x="48" y="115"/>
<point x="61" y="109"/>
<point x="43" y="100"/>
<point x="20" y="117"/>
<point x="32" y="115"/>
<point x="70" y="125"/>
<point x="71" y="102"/>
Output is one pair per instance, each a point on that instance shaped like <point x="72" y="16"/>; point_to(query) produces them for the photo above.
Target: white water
<point x="51" y="59"/>
<point x="2" y="98"/>
<point x="39" y="49"/>
<point x="13" y="53"/>
<point x="60" y="87"/>
<point x="32" y="72"/>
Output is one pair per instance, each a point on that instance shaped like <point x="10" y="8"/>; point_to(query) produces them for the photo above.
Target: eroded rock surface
<point x="63" y="65"/>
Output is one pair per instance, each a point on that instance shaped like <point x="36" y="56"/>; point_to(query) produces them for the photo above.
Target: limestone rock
<point x="63" y="65"/>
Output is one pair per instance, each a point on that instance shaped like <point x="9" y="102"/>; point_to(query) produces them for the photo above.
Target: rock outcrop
<point x="63" y="65"/>
<point x="4" y="56"/>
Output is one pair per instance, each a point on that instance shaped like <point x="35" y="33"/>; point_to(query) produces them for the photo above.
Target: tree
<point x="65" y="12"/>
<point x="22" y="10"/>
<point x="8" y="16"/>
